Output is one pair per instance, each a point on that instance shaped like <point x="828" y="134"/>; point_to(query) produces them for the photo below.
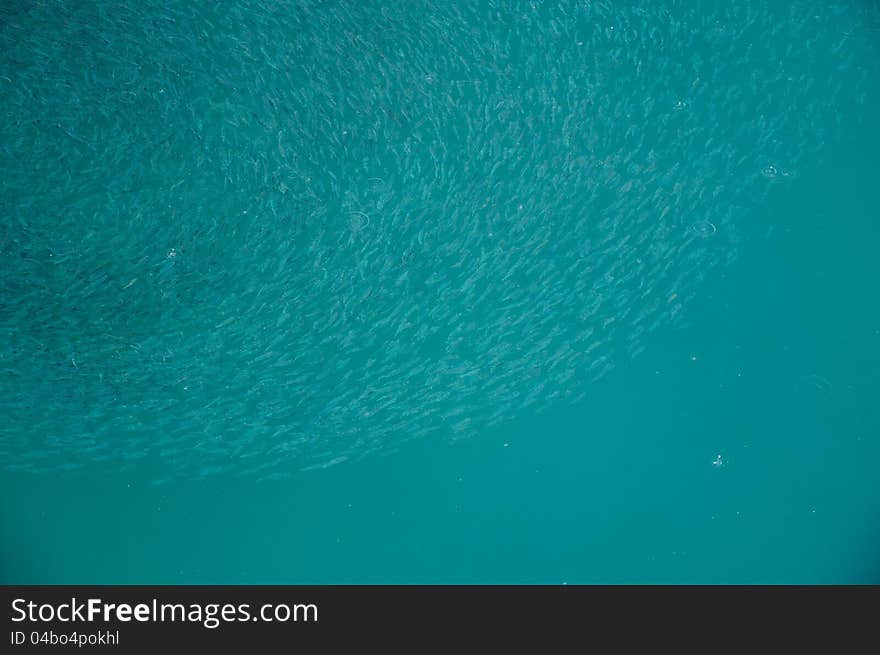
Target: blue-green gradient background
<point x="414" y="292"/>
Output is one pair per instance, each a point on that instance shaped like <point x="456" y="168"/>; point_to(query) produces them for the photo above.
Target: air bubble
<point x="703" y="229"/>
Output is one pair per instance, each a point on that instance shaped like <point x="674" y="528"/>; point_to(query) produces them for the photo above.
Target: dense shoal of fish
<point x="258" y="237"/>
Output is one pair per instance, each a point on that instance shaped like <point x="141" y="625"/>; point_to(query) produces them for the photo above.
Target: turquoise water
<point x="405" y="292"/>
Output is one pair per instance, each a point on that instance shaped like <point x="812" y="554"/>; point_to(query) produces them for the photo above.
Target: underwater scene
<point x="439" y="292"/>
